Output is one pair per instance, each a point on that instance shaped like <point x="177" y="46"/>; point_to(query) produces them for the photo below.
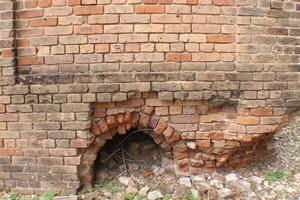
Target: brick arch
<point x="105" y="128"/>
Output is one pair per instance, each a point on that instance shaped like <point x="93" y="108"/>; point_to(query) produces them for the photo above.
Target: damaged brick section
<point x="213" y="80"/>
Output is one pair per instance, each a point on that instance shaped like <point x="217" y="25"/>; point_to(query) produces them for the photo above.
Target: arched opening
<point x="127" y="142"/>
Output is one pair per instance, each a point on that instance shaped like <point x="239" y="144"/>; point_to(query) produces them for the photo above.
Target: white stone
<point x="167" y="163"/>
<point x="124" y="180"/>
<point x="224" y="193"/>
<point x="218" y="184"/>
<point x="256" y="180"/>
<point x="232" y="177"/>
<point x="198" y="178"/>
<point x="143" y="191"/>
<point x="66" y="198"/>
<point x="131" y="190"/>
<point x="203" y="186"/>
<point x="186" y="181"/>
<point x="153" y="195"/>
<point x="244" y="186"/>
<point x="191" y="145"/>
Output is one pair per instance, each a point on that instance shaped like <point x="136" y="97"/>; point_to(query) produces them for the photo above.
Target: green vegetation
<point x="276" y="175"/>
<point x="190" y="196"/>
<point x="134" y="197"/>
<point x="108" y="185"/>
<point x="13" y="196"/>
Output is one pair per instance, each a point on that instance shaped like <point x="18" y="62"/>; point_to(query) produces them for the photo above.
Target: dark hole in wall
<point x="136" y="149"/>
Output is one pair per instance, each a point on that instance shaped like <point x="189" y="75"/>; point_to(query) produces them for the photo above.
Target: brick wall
<point x="213" y="78"/>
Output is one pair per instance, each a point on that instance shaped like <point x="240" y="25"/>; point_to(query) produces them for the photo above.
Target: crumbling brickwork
<point x="214" y="79"/>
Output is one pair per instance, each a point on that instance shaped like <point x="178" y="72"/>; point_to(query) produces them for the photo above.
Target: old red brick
<point x="111" y="121"/>
<point x="149" y="9"/>
<point x="11" y="152"/>
<point x="103" y="126"/>
<point x="144" y="120"/>
<point x="223" y="2"/>
<point x="178" y="57"/>
<point x="79" y="143"/>
<point x="216" y="135"/>
<point x="261" y="111"/>
<point x="44" y="22"/>
<point x="247" y="120"/>
<point x="88" y="10"/>
<point x="203" y="143"/>
<point x="220" y="38"/>
<point x="161" y="126"/>
<point x="27" y="14"/>
<point x="95" y="129"/>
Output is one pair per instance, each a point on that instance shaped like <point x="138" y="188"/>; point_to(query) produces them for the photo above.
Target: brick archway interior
<point x="104" y="128"/>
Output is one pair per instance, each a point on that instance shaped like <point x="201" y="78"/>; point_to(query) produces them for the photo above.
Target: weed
<point x="48" y="195"/>
<point x="109" y="185"/>
<point x="275" y="176"/>
<point x="11" y="196"/>
<point x="133" y="197"/>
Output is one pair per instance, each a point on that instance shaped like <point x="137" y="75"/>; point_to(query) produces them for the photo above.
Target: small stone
<point x="131" y="190"/>
<point x="143" y="191"/>
<point x="186" y="181"/>
<point x="244" y="186"/>
<point x="232" y="177"/>
<point x="256" y="180"/>
<point x="217" y="176"/>
<point x="191" y="145"/>
<point x="66" y="198"/>
<point x="125" y="180"/>
<point x="224" y="193"/>
<point x="203" y="186"/>
<point x="198" y="178"/>
<point x="217" y="184"/>
<point x="153" y="195"/>
<point x="167" y="163"/>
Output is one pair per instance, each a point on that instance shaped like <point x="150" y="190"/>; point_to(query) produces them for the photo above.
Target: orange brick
<point x="88" y="10"/>
<point x="2" y="108"/>
<point x="27" y="14"/>
<point x="74" y="2"/>
<point x="165" y="1"/>
<point x="11" y="152"/>
<point x="45" y="3"/>
<point x="102" y="48"/>
<point x="43" y="22"/>
<point x="203" y="143"/>
<point x="150" y="1"/>
<point x="149" y="9"/>
<point x="220" y="38"/>
<point x="7" y="53"/>
<point x="247" y="120"/>
<point x="31" y="3"/>
<point x="178" y="57"/>
<point x="192" y="2"/>
<point x="30" y="60"/>
<point x="223" y="2"/>
<point x="216" y="135"/>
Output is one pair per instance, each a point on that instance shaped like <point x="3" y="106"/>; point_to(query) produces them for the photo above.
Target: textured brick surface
<point x="221" y="73"/>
